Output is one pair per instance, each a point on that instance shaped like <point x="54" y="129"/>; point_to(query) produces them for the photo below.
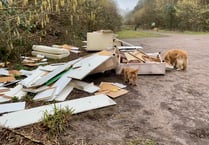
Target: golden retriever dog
<point x="177" y="58"/>
<point x="130" y="75"/>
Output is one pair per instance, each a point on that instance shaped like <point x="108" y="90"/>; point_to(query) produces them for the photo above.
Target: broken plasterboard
<point x="19" y="118"/>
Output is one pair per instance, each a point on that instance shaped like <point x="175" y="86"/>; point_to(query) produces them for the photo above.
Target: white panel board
<point x="2" y="99"/>
<point x="36" y="75"/>
<point x="87" y="87"/>
<point x="55" y="72"/>
<point x="86" y="65"/>
<point x="9" y="107"/>
<point x="16" y="91"/>
<point x="65" y="92"/>
<point x="20" y="118"/>
<point x="45" y="95"/>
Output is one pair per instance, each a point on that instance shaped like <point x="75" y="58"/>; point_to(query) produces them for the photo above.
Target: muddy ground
<point x="170" y="109"/>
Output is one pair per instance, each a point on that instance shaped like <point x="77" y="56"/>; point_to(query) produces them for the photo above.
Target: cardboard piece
<point x="111" y="89"/>
<point x="99" y="40"/>
<point x="7" y="79"/>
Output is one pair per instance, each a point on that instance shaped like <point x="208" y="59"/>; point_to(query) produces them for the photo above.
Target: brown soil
<point x="170" y="109"/>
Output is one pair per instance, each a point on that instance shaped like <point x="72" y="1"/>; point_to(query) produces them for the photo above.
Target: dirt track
<point x="171" y="109"/>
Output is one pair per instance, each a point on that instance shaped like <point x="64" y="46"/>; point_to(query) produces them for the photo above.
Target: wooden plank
<point x="10" y="107"/>
<point x="87" y="65"/>
<point x="20" y="118"/>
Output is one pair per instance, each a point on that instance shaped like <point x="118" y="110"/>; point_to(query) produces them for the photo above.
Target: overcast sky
<point x="126" y="4"/>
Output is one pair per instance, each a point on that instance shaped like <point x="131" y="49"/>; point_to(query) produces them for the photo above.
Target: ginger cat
<point x="130" y="75"/>
<point x="177" y="58"/>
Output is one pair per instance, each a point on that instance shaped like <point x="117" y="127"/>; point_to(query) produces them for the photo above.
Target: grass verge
<point x="126" y="34"/>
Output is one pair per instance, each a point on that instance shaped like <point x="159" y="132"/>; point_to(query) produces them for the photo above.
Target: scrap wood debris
<point x="137" y="56"/>
<point x="54" y="82"/>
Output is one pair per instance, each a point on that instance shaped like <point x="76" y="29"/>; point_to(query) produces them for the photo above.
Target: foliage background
<point x="28" y="22"/>
<point x="171" y="14"/>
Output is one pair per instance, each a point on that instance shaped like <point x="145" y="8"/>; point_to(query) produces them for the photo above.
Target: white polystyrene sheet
<point x="82" y="68"/>
<point x="34" y="115"/>
<point x="10" y="107"/>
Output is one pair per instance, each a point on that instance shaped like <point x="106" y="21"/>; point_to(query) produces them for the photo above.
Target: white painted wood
<point x="65" y="92"/>
<point x="36" y="90"/>
<point x="52" y="74"/>
<point x="10" y="107"/>
<point x="45" y="95"/>
<point x="49" y="67"/>
<point x="14" y="92"/>
<point x="36" y="75"/>
<point x="2" y="99"/>
<point x="129" y="47"/>
<point x="34" y="115"/>
<point x="61" y="83"/>
<point x="88" y="87"/>
<point x="82" y="68"/>
<point x="4" y="72"/>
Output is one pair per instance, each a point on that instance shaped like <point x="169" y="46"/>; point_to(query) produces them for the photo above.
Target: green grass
<point x="126" y="34"/>
<point x="56" y="123"/>
<point x="185" y="32"/>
